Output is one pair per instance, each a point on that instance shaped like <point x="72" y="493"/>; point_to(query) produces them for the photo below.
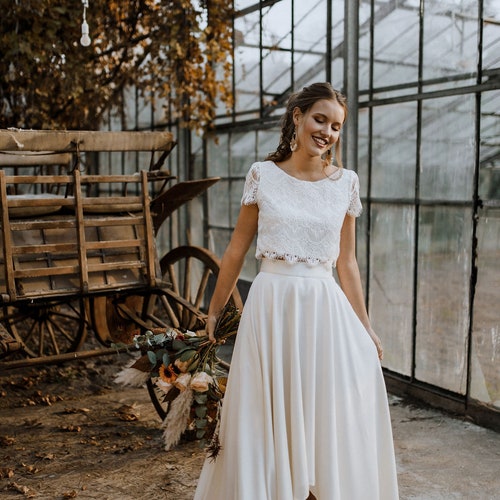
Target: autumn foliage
<point x="176" y="53"/>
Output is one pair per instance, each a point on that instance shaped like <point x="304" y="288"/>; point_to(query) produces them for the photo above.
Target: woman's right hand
<point x="210" y="328"/>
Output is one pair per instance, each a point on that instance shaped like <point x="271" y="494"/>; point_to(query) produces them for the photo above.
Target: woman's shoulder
<point x="258" y="167"/>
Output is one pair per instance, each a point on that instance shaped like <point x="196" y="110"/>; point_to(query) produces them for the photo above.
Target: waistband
<point x="296" y="268"/>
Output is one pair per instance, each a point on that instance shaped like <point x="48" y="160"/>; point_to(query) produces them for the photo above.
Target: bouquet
<point x="188" y="376"/>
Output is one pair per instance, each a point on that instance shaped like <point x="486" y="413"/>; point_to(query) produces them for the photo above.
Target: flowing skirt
<point x="306" y="407"/>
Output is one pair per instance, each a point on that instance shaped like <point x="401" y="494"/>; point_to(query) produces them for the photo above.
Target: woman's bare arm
<point x="232" y="262"/>
<point x="349" y="277"/>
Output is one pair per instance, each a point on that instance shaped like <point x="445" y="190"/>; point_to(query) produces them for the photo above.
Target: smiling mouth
<point x="322" y="143"/>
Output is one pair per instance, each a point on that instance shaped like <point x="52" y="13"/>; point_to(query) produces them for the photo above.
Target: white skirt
<point x="306" y="407"/>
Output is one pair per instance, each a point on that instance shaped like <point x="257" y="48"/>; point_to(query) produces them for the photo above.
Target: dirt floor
<point x="70" y="432"/>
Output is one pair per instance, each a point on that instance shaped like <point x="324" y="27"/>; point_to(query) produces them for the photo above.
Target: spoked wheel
<point x="47" y="329"/>
<point x="192" y="272"/>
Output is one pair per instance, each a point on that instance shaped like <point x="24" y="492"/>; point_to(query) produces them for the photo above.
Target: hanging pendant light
<point x="85" y="39"/>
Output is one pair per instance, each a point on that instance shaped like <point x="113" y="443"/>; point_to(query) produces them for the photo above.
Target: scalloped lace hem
<point x="293" y="259"/>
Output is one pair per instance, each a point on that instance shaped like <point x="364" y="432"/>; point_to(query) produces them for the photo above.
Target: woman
<point x="305" y="413"/>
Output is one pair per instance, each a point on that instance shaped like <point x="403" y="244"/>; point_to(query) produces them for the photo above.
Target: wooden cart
<point x="79" y="250"/>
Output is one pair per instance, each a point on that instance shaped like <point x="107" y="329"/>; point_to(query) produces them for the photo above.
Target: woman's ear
<point x="297" y="115"/>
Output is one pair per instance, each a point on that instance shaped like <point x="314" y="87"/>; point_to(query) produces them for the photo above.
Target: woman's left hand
<point x="377" y="342"/>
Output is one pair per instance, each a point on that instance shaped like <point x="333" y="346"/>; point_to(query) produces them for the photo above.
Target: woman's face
<point x="318" y="129"/>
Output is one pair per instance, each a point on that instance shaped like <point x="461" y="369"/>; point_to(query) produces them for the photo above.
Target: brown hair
<point x="304" y="100"/>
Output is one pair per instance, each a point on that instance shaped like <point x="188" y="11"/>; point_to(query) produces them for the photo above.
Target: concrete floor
<point x="443" y="458"/>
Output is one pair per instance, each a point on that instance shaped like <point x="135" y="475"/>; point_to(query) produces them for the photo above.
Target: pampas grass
<point x="177" y="419"/>
<point x="132" y="376"/>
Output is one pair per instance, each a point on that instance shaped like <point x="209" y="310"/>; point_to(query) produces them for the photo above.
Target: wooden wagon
<point x="78" y="250"/>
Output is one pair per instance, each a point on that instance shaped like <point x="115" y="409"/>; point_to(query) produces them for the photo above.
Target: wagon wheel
<point x="109" y="321"/>
<point x="50" y="328"/>
<point x="192" y="271"/>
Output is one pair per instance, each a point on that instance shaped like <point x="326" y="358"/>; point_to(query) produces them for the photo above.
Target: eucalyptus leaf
<point x="201" y="423"/>
<point x="201" y="411"/>
<point x="178" y="344"/>
<point x="159" y="353"/>
<point x="200" y="398"/>
<point x="152" y="357"/>
<point x="166" y="359"/>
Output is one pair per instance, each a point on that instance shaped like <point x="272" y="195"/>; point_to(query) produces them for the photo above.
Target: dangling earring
<point x="293" y="141"/>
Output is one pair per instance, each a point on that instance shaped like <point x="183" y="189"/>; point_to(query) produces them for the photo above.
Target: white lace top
<point x="300" y="221"/>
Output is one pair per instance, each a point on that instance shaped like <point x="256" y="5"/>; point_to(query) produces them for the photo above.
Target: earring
<point x="293" y="141"/>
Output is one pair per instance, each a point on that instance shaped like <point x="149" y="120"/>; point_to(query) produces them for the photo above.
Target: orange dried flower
<point x="167" y="373"/>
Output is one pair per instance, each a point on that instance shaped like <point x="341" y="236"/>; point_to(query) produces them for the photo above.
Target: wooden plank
<point x="114" y="266"/>
<point x="16" y="159"/>
<point x="80" y="234"/>
<point x="69" y="140"/>
<point x="7" y="241"/>
<point x="17" y="201"/>
<point x="118" y="244"/>
<point x="148" y="233"/>
<point x="115" y="221"/>
<point x="38" y="179"/>
<point x="36" y="272"/>
<point x="28" y="225"/>
<point x="38" y="249"/>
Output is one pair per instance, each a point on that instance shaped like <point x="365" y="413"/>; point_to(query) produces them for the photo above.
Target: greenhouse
<point x="423" y="85"/>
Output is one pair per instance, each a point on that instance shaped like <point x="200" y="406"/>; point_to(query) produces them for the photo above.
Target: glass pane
<point x="218" y="240"/>
<point x="396" y="38"/>
<point x="485" y="361"/>
<point x="444" y="259"/>
<point x="267" y="142"/>
<point x="491" y="35"/>
<point x="218" y="204"/>
<point x="363" y="150"/>
<point x="448" y="148"/>
<point x="217" y="156"/>
<point x="450" y="37"/>
<point x="309" y="42"/>
<point x="361" y="232"/>
<point x="242" y="153"/>
<point x="276" y="26"/>
<point x="391" y="283"/>
<point x="277" y="73"/>
<point x="489" y="166"/>
<point x="250" y="265"/>
<point x="394" y="150"/>
<point x="247" y="62"/>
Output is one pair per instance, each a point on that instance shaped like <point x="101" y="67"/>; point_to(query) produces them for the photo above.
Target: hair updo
<point x="304" y="100"/>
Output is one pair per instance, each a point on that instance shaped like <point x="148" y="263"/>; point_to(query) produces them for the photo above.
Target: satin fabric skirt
<point x="306" y="407"/>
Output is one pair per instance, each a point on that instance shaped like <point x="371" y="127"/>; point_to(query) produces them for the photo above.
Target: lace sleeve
<point x="251" y="185"/>
<point x="355" y="207"/>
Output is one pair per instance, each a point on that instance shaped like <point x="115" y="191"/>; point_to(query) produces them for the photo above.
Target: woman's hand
<point x="377" y="342"/>
<point x="210" y="328"/>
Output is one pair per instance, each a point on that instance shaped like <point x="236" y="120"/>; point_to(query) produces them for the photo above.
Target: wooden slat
<point x="27" y="225"/>
<point x="80" y="234"/>
<point x="38" y="179"/>
<point x="23" y="202"/>
<point x="7" y="240"/>
<point x="118" y="244"/>
<point x="46" y="248"/>
<point x="114" y="266"/>
<point x="14" y="158"/>
<point x="67" y="140"/>
<point x="115" y="221"/>
<point x="36" y="272"/>
<point x="148" y="233"/>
